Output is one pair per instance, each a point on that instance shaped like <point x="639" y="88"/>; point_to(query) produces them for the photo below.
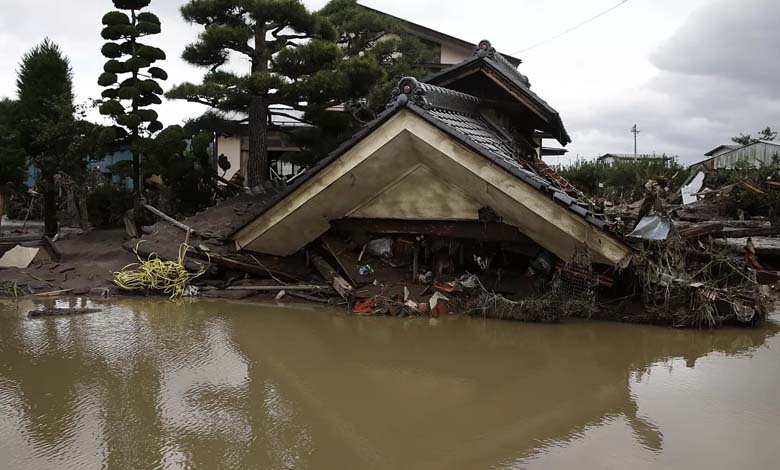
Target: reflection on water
<point x="151" y="384"/>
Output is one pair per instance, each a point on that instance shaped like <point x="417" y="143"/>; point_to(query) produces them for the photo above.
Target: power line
<point x="573" y="28"/>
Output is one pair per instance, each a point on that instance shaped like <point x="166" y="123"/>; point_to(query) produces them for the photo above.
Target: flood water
<point x="221" y="385"/>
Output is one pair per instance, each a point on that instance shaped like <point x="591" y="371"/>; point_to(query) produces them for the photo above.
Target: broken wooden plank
<point x="54" y="252"/>
<point x="337" y="250"/>
<point x="235" y="265"/>
<point x="340" y="284"/>
<point x="697" y="231"/>
<point x="53" y="293"/>
<point x="748" y="232"/>
<point x="764" y="246"/>
<point x="20" y="239"/>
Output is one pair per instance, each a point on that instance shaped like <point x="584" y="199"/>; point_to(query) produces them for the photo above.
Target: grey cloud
<point x="717" y="77"/>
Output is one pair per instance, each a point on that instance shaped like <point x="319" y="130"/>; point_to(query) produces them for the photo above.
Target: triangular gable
<point x="380" y="161"/>
<point x="420" y="194"/>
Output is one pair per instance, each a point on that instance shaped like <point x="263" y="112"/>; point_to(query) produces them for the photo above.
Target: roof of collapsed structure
<point x="458" y="115"/>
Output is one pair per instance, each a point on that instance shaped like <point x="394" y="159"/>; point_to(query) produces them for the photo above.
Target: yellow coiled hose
<point x="168" y="277"/>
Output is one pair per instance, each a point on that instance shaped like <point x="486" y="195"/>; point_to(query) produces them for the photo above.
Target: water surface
<point x="222" y="385"/>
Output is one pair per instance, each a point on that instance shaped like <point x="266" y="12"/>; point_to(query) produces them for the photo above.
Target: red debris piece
<point x="367" y="306"/>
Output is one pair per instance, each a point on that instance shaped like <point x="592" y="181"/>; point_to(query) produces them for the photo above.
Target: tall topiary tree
<point x="295" y="64"/>
<point x="130" y="77"/>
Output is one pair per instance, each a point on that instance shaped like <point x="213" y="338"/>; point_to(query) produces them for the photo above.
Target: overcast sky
<point x="689" y="73"/>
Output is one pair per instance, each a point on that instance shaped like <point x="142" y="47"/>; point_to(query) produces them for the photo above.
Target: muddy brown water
<point x="221" y="385"/>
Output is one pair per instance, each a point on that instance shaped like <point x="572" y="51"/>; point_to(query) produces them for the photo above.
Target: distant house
<point x="451" y="50"/>
<point x="646" y="159"/>
<point x="102" y="166"/>
<point x="721" y="149"/>
<point x="725" y="157"/>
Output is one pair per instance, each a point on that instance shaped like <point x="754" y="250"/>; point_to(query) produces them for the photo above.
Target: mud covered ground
<point x="88" y="262"/>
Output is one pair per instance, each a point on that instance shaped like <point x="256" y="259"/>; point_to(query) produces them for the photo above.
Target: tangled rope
<point x="9" y="289"/>
<point x="168" y="277"/>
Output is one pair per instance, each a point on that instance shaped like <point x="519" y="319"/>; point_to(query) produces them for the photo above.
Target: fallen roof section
<point x="430" y="130"/>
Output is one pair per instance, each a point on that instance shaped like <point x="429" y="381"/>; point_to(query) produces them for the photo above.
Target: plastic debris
<point x="381" y="247"/>
<point x="653" y="228"/>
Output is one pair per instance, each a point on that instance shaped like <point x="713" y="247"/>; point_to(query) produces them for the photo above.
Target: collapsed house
<point x="441" y="204"/>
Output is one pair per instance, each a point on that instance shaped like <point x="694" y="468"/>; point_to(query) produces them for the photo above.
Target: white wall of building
<point x="453" y="54"/>
<point x="231" y="148"/>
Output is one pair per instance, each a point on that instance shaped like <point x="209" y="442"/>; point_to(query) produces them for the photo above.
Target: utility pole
<point x="635" y="130"/>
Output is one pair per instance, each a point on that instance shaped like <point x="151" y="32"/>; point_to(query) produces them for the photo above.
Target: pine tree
<point x="767" y="134"/>
<point x="297" y="69"/>
<point x="130" y="77"/>
<point x="12" y="165"/>
<point x="45" y="91"/>
<point x="364" y="32"/>
<point x="12" y="161"/>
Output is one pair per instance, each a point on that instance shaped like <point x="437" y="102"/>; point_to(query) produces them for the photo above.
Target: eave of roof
<point x="553" y="152"/>
<point x="437" y="35"/>
<point x="712" y="152"/>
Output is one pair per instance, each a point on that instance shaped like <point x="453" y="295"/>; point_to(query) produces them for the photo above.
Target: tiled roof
<point x="455" y="113"/>
<point x="485" y="54"/>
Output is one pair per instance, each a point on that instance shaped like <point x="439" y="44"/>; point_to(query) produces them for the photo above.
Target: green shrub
<point x="107" y="206"/>
<point x="621" y="182"/>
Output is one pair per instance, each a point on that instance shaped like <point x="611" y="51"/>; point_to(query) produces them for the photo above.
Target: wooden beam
<point x="334" y="248"/>
<point x="169" y="219"/>
<point x="53" y="250"/>
<point x="748" y="232"/>
<point x="280" y="288"/>
<point x="20" y="239"/>
<point x="235" y="265"/>
<point x="343" y="287"/>
<point x="698" y="231"/>
<point x="470" y="230"/>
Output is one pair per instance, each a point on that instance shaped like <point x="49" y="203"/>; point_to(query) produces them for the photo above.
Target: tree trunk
<point x="257" y="171"/>
<point x="50" y="207"/>
<point x="257" y="167"/>
<point x="81" y="203"/>
<point x="137" y="188"/>
<point x="137" y="173"/>
<point x="2" y="207"/>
